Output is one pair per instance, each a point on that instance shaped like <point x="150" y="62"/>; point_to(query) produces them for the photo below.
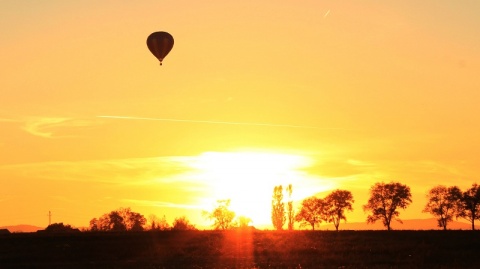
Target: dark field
<point x="243" y="249"/>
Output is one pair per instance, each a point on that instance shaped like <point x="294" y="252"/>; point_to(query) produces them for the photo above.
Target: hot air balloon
<point x="160" y="44"/>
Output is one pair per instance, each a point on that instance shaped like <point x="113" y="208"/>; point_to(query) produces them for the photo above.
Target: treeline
<point x="385" y="201"/>
<point x="444" y="203"/>
<point x="124" y="219"/>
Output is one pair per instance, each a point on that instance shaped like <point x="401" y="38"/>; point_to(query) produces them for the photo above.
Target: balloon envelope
<point x="160" y="44"/>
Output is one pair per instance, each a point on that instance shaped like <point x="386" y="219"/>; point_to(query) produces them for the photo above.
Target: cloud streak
<point x="213" y="122"/>
<point x="47" y="127"/>
<point x="161" y="204"/>
<point x="7" y="120"/>
<point x="134" y="171"/>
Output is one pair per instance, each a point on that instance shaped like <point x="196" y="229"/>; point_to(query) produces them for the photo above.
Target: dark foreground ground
<point x="243" y="249"/>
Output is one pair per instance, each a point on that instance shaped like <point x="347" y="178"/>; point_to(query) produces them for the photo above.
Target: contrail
<point x="326" y="14"/>
<point x="211" y="122"/>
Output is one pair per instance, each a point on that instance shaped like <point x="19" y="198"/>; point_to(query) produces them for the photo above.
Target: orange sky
<point x="347" y="93"/>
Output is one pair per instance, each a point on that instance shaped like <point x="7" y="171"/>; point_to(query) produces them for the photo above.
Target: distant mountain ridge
<point x="22" y="228"/>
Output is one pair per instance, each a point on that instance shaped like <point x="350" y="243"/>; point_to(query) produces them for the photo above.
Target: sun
<point x="248" y="179"/>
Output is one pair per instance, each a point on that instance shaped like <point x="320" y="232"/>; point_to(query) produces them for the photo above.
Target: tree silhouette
<point x="278" y="208"/>
<point x="444" y="203"/>
<point x="163" y="224"/>
<point x="222" y="215"/>
<point x="384" y="200"/>
<point x="100" y="224"/>
<point x="158" y="224"/>
<point x="290" y="212"/>
<point x="312" y="212"/>
<point x="153" y="220"/>
<point x="60" y="228"/>
<point x="122" y="219"/>
<point x="133" y="221"/>
<point x="471" y="204"/>
<point x="94" y="225"/>
<point x="182" y="224"/>
<point x="336" y="203"/>
<point x="116" y="222"/>
<point x="243" y="222"/>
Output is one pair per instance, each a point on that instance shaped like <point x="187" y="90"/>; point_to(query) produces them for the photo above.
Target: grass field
<point x="243" y="249"/>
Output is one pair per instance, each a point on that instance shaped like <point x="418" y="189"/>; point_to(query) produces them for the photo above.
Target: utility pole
<point x="49" y="217"/>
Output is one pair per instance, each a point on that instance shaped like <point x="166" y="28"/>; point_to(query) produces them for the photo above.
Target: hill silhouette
<point x="22" y="228"/>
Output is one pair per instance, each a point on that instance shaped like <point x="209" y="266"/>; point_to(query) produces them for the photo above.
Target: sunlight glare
<point x="248" y="179"/>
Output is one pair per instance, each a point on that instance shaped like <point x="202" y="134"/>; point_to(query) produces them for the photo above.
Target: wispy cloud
<point x="43" y="126"/>
<point x="7" y="120"/>
<point x="134" y="171"/>
<point x="49" y="127"/>
<point x="340" y="168"/>
<point x="161" y="204"/>
<point x="359" y="163"/>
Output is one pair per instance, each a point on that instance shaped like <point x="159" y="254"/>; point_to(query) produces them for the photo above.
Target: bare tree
<point x="336" y="203"/>
<point x="312" y="212"/>
<point x="278" y="208"/>
<point x="221" y="214"/>
<point x="444" y="203"/>
<point x="471" y="205"/>
<point x="385" y="199"/>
